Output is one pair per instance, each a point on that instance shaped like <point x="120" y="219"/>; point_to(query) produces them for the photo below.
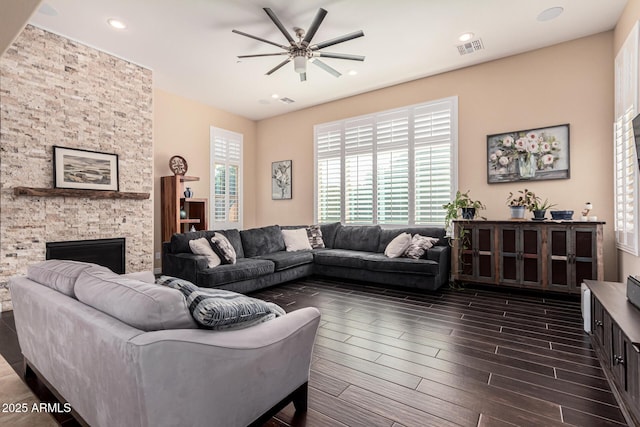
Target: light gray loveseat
<point x="351" y="252"/>
<point x="138" y="360"/>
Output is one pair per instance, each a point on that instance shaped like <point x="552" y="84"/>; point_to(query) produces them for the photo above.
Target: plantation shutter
<point x="393" y="167"/>
<point x="226" y="165"/>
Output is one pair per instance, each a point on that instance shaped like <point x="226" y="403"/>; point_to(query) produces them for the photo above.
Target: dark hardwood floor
<point x="467" y="357"/>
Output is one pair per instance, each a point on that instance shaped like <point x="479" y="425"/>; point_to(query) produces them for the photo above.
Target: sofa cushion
<point x="262" y="241"/>
<point x="220" y="309"/>
<point x="398" y="245"/>
<point x="144" y="306"/>
<point x="202" y="247"/>
<point x="419" y="245"/>
<point x="57" y="274"/>
<point x="329" y="233"/>
<point x="340" y="258"/>
<point x="296" y="240"/>
<point x="180" y="241"/>
<point x="379" y="262"/>
<point x="143" y="276"/>
<point x="388" y="234"/>
<point x="358" y="238"/>
<point x="223" y="248"/>
<point x="284" y="260"/>
<point x="243" y="269"/>
<point x="314" y="233"/>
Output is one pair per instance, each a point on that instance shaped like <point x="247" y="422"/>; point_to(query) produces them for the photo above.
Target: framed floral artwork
<point x="281" y="180"/>
<point x="528" y="155"/>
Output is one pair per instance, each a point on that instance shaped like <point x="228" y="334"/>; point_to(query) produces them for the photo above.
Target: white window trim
<point x="223" y="133"/>
<point x="341" y="123"/>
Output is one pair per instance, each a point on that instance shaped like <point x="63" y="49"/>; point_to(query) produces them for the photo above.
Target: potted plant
<point x="539" y="208"/>
<point x="519" y="202"/>
<point x="465" y="204"/>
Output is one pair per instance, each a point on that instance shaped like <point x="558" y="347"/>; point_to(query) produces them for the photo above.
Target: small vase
<point x="188" y="193"/>
<point x="517" y="212"/>
<point x="468" y="213"/>
<point x="539" y="215"/>
<point x="183" y="214"/>
<point x="527" y="166"/>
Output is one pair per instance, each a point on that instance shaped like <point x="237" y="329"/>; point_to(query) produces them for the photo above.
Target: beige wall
<point x="628" y="264"/>
<point x="181" y="126"/>
<point x="14" y="16"/>
<point x="568" y="83"/>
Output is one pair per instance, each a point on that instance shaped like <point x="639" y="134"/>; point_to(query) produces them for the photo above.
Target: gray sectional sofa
<point x="351" y="252"/>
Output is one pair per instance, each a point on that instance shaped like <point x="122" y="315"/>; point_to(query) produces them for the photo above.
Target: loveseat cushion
<point x="57" y="274"/>
<point x="262" y="241"/>
<point x="388" y="234"/>
<point x="220" y="309"/>
<point x="144" y="306"/>
<point x="341" y="258"/>
<point x="243" y="269"/>
<point x="285" y="260"/>
<point x="380" y="262"/>
<point x="358" y="238"/>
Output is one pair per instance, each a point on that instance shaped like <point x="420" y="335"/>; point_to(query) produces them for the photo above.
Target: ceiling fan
<point x="302" y="50"/>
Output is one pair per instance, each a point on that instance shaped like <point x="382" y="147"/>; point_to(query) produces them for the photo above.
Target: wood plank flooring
<point x="469" y="357"/>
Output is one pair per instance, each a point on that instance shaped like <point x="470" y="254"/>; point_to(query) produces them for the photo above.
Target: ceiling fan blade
<point x="263" y="54"/>
<point x="339" y="56"/>
<point x="337" y="40"/>
<point x="314" y="26"/>
<point x="327" y="68"/>
<point x="281" y="27"/>
<point x="277" y="67"/>
<point x="259" y="39"/>
<point x="303" y="77"/>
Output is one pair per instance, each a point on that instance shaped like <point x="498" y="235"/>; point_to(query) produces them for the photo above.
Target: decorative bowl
<point x="562" y="215"/>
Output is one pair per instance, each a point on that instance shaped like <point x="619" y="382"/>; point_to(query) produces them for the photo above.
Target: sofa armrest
<point x="232" y="376"/>
<point x="441" y="255"/>
<point x="183" y="265"/>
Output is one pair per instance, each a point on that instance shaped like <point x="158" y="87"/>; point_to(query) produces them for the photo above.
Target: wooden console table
<point x="543" y="255"/>
<point x="615" y="335"/>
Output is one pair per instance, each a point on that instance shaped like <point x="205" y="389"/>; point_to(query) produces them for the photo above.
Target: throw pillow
<point x="220" y="309"/>
<point x="419" y="245"/>
<point x="398" y="245"/>
<point x="202" y="247"/>
<point x="296" y="240"/>
<point x="315" y="236"/>
<point x="223" y="248"/>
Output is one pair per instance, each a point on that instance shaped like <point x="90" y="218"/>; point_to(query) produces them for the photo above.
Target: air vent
<point x="287" y="100"/>
<point x="470" y="47"/>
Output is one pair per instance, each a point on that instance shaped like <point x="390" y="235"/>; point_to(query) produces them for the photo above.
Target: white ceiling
<point x="190" y="47"/>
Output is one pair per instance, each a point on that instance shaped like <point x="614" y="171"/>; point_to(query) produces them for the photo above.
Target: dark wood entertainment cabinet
<point x="542" y="255"/>
<point x="615" y="335"/>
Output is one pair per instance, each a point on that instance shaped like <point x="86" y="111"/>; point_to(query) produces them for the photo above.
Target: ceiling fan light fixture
<point x="300" y="64"/>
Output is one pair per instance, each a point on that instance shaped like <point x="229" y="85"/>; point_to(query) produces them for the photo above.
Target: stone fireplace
<point x="56" y="91"/>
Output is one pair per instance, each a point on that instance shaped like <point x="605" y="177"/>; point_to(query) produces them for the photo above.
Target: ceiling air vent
<point x="287" y="100"/>
<point x="470" y="47"/>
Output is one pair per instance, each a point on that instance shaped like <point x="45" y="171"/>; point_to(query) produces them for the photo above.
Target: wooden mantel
<point x="69" y="192"/>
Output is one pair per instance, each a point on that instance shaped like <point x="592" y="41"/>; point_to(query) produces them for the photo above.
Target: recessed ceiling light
<point x="116" y="23"/>
<point x="275" y="96"/>
<point x="549" y="14"/>
<point x="352" y="72"/>
<point x="465" y="37"/>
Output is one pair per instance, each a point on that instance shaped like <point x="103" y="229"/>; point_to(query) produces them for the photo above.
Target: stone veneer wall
<point x="55" y="91"/>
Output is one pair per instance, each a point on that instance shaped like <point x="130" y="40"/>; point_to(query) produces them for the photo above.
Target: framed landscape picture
<point x="85" y="170"/>
<point x="281" y="180"/>
<point x="528" y="155"/>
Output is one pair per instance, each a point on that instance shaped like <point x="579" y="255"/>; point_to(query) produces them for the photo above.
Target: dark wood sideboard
<point x="542" y="255"/>
<point x="615" y="335"/>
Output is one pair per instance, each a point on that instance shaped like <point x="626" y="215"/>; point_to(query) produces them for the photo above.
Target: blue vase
<point x="188" y="193"/>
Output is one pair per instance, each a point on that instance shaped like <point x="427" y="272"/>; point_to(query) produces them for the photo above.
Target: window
<point x="226" y="179"/>
<point x="625" y="158"/>
<point x="393" y="167"/>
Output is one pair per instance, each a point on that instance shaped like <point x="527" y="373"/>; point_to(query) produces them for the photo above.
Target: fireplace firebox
<point x="109" y="253"/>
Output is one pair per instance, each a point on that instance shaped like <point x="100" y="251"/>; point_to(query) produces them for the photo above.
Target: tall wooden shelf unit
<point x="543" y="255"/>
<point x="172" y="199"/>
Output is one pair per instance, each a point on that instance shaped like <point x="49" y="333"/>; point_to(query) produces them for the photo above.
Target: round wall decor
<point x="178" y="165"/>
